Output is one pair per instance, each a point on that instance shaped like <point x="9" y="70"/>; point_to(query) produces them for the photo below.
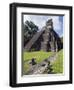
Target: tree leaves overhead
<point x="29" y="30"/>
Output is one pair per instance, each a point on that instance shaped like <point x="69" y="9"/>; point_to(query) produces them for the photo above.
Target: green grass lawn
<point x="57" y="65"/>
<point x="38" y="55"/>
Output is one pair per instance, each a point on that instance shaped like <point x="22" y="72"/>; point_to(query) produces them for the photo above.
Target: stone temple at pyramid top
<point x="49" y="24"/>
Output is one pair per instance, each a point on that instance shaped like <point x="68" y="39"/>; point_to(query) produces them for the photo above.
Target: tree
<point x="29" y="30"/>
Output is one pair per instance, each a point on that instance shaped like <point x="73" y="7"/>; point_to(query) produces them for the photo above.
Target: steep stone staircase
<point x="33" y="40"/>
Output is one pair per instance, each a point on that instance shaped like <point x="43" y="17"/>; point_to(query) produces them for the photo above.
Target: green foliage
<point x="29" y="30"/>
<point x="61" y="39"/>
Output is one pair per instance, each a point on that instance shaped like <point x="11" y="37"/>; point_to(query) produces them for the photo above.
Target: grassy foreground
<point x="38" y="55"/>
<point x="57" y="65"/>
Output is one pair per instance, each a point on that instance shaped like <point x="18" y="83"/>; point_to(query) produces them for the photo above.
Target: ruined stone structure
<point x="46" y="43"/>
<point x="42" y="67"/>
<point x="46" y="39"/>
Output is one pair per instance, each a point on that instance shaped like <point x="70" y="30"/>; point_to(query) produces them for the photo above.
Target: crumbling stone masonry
<point x="46" y="39"/>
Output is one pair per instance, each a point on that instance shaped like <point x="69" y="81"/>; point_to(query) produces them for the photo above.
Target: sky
<point x="40" y="21"/>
